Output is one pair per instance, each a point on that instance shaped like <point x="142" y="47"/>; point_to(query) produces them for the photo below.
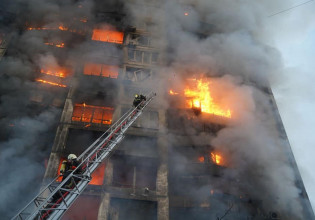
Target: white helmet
<point x="72" y="157"/>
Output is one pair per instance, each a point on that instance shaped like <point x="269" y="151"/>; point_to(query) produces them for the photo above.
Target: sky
<point x="293" y="34"/>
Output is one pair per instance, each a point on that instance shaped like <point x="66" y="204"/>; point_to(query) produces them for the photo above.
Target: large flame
<point x="92" y="114"/>
<point x="198" y="94"/>
<point x="107" y="34"/>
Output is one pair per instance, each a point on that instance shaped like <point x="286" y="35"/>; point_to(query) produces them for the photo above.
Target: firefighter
<point x="138" y="99"/>
<point x="68" y="166"/>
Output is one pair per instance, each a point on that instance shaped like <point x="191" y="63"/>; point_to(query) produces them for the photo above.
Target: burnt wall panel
<point x="79" y="139"/>
<point x="131" y="171"/>
<point x="134" y="209"/>
<point x="84" y="208"/>
<point x="139" y="146"/>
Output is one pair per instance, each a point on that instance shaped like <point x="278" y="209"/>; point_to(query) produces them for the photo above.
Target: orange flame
<point x="173" y="93"/>
<point x="40" y="28"/>
<point x="108" y="35"/>
<point x="84" y="20"/>
<point x="92" y="114"/>
<point x="199" y="96"/>
<point x="50" y="83"/>
<point x="60" y="74"/>
<point x="98" y="175"/>
<point x="60" y="45"/>
<point x="216" y="158"/>
<point x="201" y="159"/>
<point x="63" y="28"/>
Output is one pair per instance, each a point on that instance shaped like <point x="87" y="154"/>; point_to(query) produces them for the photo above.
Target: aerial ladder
<point x="55" y="199"/>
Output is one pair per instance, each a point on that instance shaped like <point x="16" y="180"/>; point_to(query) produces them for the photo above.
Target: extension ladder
<point x="55" y="199"/>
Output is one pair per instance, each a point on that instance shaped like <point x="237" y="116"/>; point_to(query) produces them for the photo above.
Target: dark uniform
<point x="138" y="99"/>
<point x="67" y="167"/>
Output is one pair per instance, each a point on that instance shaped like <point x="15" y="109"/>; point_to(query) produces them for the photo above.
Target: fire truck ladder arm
<point x="56" y="198"/>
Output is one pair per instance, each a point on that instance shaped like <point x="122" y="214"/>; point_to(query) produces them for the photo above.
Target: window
<point x="144" y="40"/>
<point x="108" y="35"/>
<point x="137" y="74"/>
<point x="97" y="69"/>
<point x="92" y="114"/>
<point x="142" y="56"/>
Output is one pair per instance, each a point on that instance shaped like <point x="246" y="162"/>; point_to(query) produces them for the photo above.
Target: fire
<point x="186" y="14"/>
<point x="84" y="20"/>
<point x="216" y="158"/>
<point x="63" y="28"/>
<point x="60" y="73"/>
<point x="60" y="45"/>
<point x="198" y="95"/>
<point x="201" y="159"/>
<point x="50" y="83"/>
<point x="108" y="35"/>
<point x="92" y="114"/>
<point x="98" y="175"/>
<point x="40" y="28"/>
<point x="173" y="93"/>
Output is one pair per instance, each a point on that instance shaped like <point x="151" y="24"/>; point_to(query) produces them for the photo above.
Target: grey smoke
<point x="237" y="50"/>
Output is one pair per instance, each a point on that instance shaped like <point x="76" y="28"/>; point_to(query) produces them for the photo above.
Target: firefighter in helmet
<point x="138" y="99"/>
<point x="68" y="166"/>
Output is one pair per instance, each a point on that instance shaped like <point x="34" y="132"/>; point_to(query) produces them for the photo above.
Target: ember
<point x="61" y="45"/>
<point x="40" y="28"/>
<point x="50" y="83"/>
<point x="198" y="95"/>
<point x="201" y="159"/>
<point x="107" y="34"/>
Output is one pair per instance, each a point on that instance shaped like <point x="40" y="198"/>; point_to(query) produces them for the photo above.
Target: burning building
<point x="211" y="146"/>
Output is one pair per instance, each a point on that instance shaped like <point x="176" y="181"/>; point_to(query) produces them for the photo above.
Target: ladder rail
<point x="90" y="160"/>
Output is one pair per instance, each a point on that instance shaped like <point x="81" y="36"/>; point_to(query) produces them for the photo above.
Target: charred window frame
<point x="145" y="57"/>
<point x="92" y="114"/>
<point x="137" y="74"/>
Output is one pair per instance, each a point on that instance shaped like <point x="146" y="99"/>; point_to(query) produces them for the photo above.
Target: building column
<point x="104" y="209"/>
<point x="162" y="172"/>
<point x="60" y="138"/>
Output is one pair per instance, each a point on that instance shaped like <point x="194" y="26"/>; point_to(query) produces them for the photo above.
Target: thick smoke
<point x="235" y="55"/>
<point x="27" y="126"/>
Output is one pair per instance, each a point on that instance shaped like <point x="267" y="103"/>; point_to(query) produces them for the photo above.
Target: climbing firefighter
<point x="68" y="166"/>
<point x="138" y="99"/>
